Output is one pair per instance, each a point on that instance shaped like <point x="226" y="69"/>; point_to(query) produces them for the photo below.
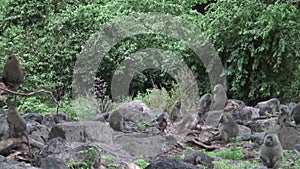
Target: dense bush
<point x="259" y="45"/>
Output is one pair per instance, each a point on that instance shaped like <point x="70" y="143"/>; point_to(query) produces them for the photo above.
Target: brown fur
<point x="296" y="113"/>
<point x="284" y="118"/>
<point x="271" y="151"/>
<point x="12" y="73"/>
<point x="17" y="125"/>
<point x="176" y="112"/>
<point x="219" y="98"/>
<point x="228" y="128"/>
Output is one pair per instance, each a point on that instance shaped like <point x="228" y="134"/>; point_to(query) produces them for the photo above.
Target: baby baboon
<point x="228" y="128"/>
<point x="219" y="98"/>
<point x="12" y="73"/>
<point x="17" y="125"/>
<point x="284" y="118"/>
<point x="296" y="114"/>
<point x="176" y="112"/>
<point x="271" y="151"/>
<point x="204" y="103"/>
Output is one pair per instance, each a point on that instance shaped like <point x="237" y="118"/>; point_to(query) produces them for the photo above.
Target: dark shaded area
<point x="201" y="8"/>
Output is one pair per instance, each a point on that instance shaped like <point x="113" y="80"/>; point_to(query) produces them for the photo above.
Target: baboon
<point x="176" y="112"/>
<point x="219" y="98"/>
<point x="228" y="128"/>
<point x="17" y="125"/>
<point x="284" y="118"/>
<point x="12" y="73"/>
<point x="296" y="114"/>
<point x="271" y="151"/>
<point x="204" y="103"/>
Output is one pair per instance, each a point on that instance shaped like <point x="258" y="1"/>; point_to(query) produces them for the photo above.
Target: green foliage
<point x="108" y="157"/>
<point x="141" y="163"/>
<point x="87" y="162"/>
<point x="141" y="126"/>
<point x="256" y="40"/>
<point x="259" y="45"/>
<point x="178" y="156"/>
<point x="189" y="149"/>
<point x="86" y="107"/>
<point x="233" y="153"/>
<point x="159" y="98"/>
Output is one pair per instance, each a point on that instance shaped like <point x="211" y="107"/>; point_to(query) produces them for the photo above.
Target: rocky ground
<point x="133" y="136"/>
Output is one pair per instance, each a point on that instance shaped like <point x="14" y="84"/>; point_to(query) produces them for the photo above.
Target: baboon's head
<point x="218" y="88"/>
<point x="270" y="139"/>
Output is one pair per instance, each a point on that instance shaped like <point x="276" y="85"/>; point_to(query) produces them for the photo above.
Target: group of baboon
<point x="12" y="77"/>
<point x="271" y="152"/>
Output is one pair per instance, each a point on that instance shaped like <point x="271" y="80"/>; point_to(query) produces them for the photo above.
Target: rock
<point x="33" y="116"/>
<point x="102" y="116"/>
<point x="116" y="121"/>
<point x="289" y="137"/>
<point x="245" y="133"/>
<point x="196" y="158"/>
<point x="37" y="131"/>
<point x="143" y="145"/>
<point x="170" y="163"/>
<point x="257" y="138"/>
<point x="53" y="163"/>
<point x="83" y="131"/>
<point x="58" y="153"/>
<point x="136" y="145"/>
<point x="3" y="127"/>
<point x="296" y="147"/>
<point x="245" y="114"/>
<point x="262" y="125"/>
<point x="213" y="118"/>
<point x="187" y="123"/>
<point x="135" y="111"/>
<point x="268" y="106"/>
<point x="240" y="103"/>
<point x="11" y="164"/>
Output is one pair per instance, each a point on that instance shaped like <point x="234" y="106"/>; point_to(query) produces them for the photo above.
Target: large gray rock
<point x="3" y="127"/>
<point x="135" y="111"/>
<point x="268" y="106"/>
<point x="245" y="114"/>
<point x="143" y="146"/>
<point x="83" y="131"/>
<point x="135" y="145"/>
<point x="262" y="125"/>
<point x="213" y="118"/>
<point x="11" y="164"/>
<point x="196" y="158"/>
<point x="170" y="163"/>
<point x="244" y="133"/>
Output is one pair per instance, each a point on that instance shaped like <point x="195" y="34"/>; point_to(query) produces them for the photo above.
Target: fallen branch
<point x="13" y="141"/>
<point x="202" y="145"/>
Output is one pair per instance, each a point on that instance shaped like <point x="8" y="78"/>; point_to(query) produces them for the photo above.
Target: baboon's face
<point x="178" y="104"/>
<point x="269" y="140"/>
<point x="217" y="88"/>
